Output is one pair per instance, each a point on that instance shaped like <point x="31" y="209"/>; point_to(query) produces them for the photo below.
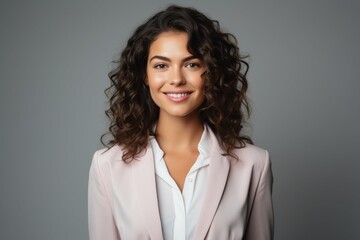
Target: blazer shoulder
<point x="254" y="155"/>
<point x="107" y="156"/>
<point x="257" y="161"/>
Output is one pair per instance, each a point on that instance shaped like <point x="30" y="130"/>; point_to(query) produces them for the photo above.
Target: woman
<point x="178" y="166"/>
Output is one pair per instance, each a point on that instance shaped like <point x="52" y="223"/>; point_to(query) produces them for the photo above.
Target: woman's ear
<point x="146" y="81"/>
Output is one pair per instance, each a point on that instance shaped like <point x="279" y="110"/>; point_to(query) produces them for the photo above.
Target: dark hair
<point x="132" y="112"/>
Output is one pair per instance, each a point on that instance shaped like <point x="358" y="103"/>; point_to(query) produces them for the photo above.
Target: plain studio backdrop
<point x="304" y="88"/>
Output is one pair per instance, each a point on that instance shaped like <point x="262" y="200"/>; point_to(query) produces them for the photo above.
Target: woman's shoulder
<point x="252" y="154"/>
<point x="107" y="156"/>
<point x="254" y="160"/>
<point x="249" y="154"/>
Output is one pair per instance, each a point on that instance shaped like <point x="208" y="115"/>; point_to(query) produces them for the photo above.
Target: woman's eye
<point x="160" y="66"/>
<point x="193" y="65"/>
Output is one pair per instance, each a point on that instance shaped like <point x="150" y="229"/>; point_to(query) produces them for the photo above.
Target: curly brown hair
<point x="132" y="112"/>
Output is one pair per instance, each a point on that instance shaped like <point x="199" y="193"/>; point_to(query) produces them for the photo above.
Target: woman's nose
<point x="177" y="77"/>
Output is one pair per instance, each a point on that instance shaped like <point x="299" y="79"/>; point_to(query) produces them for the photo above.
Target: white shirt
<point x="179" y="212"/>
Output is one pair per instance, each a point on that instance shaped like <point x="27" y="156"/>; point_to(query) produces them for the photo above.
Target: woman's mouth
<point x="177" y="97"/>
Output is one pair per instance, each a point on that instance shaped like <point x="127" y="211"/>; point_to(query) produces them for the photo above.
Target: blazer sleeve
<point x="100" y="217"/>
<point x="261" y="220"/>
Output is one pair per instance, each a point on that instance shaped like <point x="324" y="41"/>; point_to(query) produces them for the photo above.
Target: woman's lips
<point x="177" y="97"/>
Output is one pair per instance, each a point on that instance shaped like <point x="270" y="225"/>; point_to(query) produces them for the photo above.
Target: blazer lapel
<point x="216" y="181"/>
<point x="144" y="177"/>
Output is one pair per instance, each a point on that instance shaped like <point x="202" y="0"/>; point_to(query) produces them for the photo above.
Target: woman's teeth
<point x="177" y="95"/>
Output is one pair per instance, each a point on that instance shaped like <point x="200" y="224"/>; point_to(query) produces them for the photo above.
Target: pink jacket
<point x="122" y="198"/>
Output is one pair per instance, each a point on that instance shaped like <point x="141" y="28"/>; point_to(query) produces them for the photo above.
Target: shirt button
<point x="191" y="179"/>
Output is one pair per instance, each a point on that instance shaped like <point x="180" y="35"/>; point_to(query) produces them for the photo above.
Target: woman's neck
<point x="179" y="133"/>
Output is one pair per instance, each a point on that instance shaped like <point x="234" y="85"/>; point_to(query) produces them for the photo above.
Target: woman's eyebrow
<point x="189" y="58"/>
<point x="160" y="58"/>
<point x="169" y="60"/>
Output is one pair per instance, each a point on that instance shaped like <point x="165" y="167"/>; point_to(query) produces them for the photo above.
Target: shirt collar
<point x="204" y="143"/>
<point x="203" y="147"/>
<point x="158" y="153"/>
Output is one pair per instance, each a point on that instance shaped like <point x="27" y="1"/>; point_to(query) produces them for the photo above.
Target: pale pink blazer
<point x="123" y="202"/>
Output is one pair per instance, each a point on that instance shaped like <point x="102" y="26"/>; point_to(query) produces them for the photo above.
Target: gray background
<point x="304" y="84"/>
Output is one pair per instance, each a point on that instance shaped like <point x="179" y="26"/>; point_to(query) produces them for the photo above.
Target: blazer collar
<point x="144" y="177"/>
<point x="145" y="183"/>
<point x="216" y="181"/>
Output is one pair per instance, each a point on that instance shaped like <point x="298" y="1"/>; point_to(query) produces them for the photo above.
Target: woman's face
<point x="174" y="76"/>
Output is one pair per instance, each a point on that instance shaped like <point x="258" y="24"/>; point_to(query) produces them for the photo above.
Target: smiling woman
<point x="178" y="165"/>
<point x="174" y="76"/>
